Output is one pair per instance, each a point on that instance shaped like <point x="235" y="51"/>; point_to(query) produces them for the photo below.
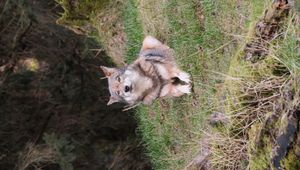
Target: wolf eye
<point x="127" y="88"/>
<point x="118" y="79"/>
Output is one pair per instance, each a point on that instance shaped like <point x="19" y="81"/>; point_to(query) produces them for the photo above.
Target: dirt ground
<point x="50" y="84"/>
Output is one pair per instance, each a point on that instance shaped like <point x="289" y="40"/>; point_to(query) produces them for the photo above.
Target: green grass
<point x="167" y="133"/>
<point x="133" y="29"/>
<point x="288" y="52"/>
<point x="172" y="134"/>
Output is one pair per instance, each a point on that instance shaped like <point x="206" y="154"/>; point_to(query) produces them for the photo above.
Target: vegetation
<point x="244" y="60"/>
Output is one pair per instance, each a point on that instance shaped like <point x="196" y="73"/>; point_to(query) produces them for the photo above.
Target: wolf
<point x="154" y="74"/>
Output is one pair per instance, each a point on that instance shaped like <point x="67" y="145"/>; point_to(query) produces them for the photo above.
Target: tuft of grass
<point x="292" y="161"/>
<point x="79" y="14"/>
<point x="101" y="20"/>
<point x="14" y="25"/>
<point x="222" y="156"/>
<point x="57" y="151"/>
<point x="133" y="30"/>
<point x="36" y="156"/>
<point x="109" y="23"/>
<point x="288" y="52"/>
<point x="63" y="148"/>
<point x="153" y="18"/>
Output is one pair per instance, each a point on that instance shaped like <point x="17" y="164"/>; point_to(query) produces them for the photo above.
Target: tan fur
<point x="149" y="77"/>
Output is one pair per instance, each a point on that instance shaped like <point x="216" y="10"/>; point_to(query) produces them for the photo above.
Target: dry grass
<point x="36" y="156"/>
<point x="154" y="19"/>
<point x="110" y="25"/>
<point x="128" y="154"/>
<point x="228" y="152"/>
<point x="257" y="94"/>
<point x="257" y="100"/>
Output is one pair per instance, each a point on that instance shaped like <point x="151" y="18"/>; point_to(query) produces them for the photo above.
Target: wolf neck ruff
<point x="158" y="81"/>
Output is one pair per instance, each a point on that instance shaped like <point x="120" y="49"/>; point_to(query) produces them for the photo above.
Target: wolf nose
<point x="127" y="88"/>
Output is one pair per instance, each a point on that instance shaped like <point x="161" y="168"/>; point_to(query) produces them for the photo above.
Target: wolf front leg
<point x="148" y="100"/>
<point x="150" y="97"/>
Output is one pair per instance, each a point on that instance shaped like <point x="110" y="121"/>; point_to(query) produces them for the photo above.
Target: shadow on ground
<point x="53" y="112"/>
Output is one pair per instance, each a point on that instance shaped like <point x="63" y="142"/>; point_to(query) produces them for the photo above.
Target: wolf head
<point x="125" y="85"/>
<point x="122" y="84"/>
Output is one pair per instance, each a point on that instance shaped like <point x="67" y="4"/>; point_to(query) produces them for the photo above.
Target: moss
<point x="261" y="159"/>
<point x="79" y="12"/>
<point x="261" y="137"/>
<point x="259" y="147"/>
<point x="291" y="161"/>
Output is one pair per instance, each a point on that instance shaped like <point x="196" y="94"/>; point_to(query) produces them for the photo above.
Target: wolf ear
<point x="112" y="100"/>
<point x="108" y="71"/>
<point x="150" y="42"/>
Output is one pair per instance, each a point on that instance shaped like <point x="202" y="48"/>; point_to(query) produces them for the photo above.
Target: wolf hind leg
<point x="183" y="76"/>
<point x="185" y="89"/>
<point x="172" y="90"/>
<point x="179" y="90"/>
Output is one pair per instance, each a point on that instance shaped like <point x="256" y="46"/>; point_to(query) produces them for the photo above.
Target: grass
<point x="209" y="38"/>
<point x="36" y="156"/>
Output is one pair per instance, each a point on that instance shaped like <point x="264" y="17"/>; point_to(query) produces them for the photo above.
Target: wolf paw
<point x="184" y="89"/>
<point x="183" y="76"/>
